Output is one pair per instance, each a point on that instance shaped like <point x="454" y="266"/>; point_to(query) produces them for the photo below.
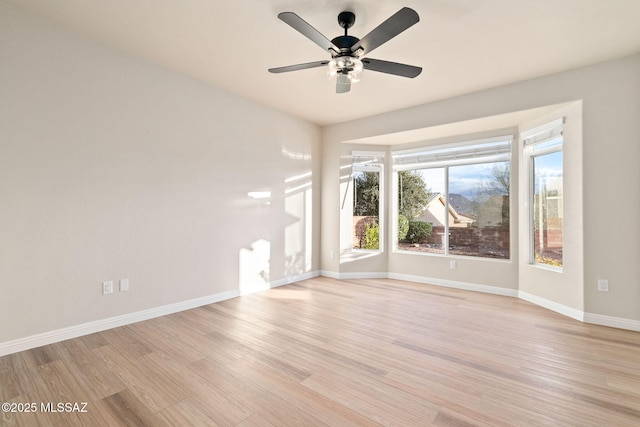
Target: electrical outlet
<point x="124" y="285"/>
<point x="332" y="254"/>
<point x="453" y="265"/>
<point x="107" y="287"/>
<point x="603" y="285"/>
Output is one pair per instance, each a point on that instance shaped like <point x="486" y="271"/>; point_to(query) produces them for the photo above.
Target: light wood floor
<point x="338" y="353"/>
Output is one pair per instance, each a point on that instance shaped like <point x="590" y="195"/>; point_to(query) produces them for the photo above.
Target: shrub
<point x="403" y="227"/>
<point x="362" y="227"/>
<point x="419" y="231"/>
<point x="372" y="237"/>
<point x="541" y="259"/>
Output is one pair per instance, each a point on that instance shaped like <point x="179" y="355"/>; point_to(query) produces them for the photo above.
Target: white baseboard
<point x="293" y="279"/>
<point x="596" y="319"/>
<point x="613" y="322"/>
<point x="552" y="305"/>
<point x="50" y="337"/>
<point x="58" y="335"/>
<point x="496" y="290"/>
<point x="592" y="318"/>
<point x="355" y="276"/>
<point x="45" y="338"/>
<point x="330" y="274"/>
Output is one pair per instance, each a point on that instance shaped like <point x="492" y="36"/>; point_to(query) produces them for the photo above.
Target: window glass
<point x="421" y="210"/>
<point x="479" y="210"/>
<point x="366" y="209"/>
<point x="547" y="215"/>
<point x="454" y="200"/>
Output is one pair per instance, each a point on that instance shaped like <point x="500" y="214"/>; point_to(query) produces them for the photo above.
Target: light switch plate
<point x="603" y="285"/>
<point x="107" y="287"/>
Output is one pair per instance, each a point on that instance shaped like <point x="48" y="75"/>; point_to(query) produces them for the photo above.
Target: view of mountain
<point x="462" y="205"/>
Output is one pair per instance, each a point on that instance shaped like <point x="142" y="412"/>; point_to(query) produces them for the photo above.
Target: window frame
<point x="436" y="158"/>
<point x="532" y="138"/>
<point x="370" y="161"/>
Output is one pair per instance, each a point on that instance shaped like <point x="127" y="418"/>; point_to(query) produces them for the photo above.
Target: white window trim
<point x="486" y="150"/>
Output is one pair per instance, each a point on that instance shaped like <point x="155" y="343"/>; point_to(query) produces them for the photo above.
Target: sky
<point x="463" y="180"/>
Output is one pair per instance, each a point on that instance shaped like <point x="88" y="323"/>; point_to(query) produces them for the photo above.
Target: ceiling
<point x="463" y="46"/>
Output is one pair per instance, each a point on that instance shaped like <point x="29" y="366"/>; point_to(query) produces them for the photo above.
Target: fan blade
<point x="388" y="67"/>
<point x="308" y="31"/>
<point x="343" y="84"/>
<point x="397" y="23"/>
<point x="298" y="67"/>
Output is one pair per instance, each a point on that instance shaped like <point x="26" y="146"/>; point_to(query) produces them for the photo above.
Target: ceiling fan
<point x="348" y="52"/>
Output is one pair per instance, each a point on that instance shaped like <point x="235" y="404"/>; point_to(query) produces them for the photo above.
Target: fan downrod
<point x="346" y="20"/>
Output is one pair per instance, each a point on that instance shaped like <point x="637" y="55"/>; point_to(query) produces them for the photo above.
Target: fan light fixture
<point x="348" y="66"/>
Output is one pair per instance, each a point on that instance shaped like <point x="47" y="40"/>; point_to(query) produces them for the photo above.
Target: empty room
<point x="283" y="213"/>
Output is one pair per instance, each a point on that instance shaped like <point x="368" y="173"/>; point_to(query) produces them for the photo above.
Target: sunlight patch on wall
<point x="298" y="235"/>
<point x="254" y="267"/>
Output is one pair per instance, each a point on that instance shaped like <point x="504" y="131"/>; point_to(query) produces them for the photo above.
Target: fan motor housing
<point x="345" y="43"/>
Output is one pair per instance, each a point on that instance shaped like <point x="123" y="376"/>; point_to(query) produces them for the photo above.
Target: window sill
<point x="546" y="267"/>
<point x="358" y="254"/>
<point x="438" y="255"/>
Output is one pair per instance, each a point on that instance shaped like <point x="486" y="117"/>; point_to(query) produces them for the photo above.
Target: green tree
<point x="403" y="227"/>
<point x="366" y="199"/>
<point x="413" y="194"/>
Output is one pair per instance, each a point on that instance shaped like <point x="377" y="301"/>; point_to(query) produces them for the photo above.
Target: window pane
<point x="479" y="210"/>
<point x="366" y="207"/>
<point x="421" y="209"/>
<point x="547" y="209"/>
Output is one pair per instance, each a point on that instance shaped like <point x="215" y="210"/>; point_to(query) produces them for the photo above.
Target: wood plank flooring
<point x="338" y="353"/>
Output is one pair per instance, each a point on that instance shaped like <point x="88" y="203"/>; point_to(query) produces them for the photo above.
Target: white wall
<point x="610" y="95"/>
<point x="112" y="167"/>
